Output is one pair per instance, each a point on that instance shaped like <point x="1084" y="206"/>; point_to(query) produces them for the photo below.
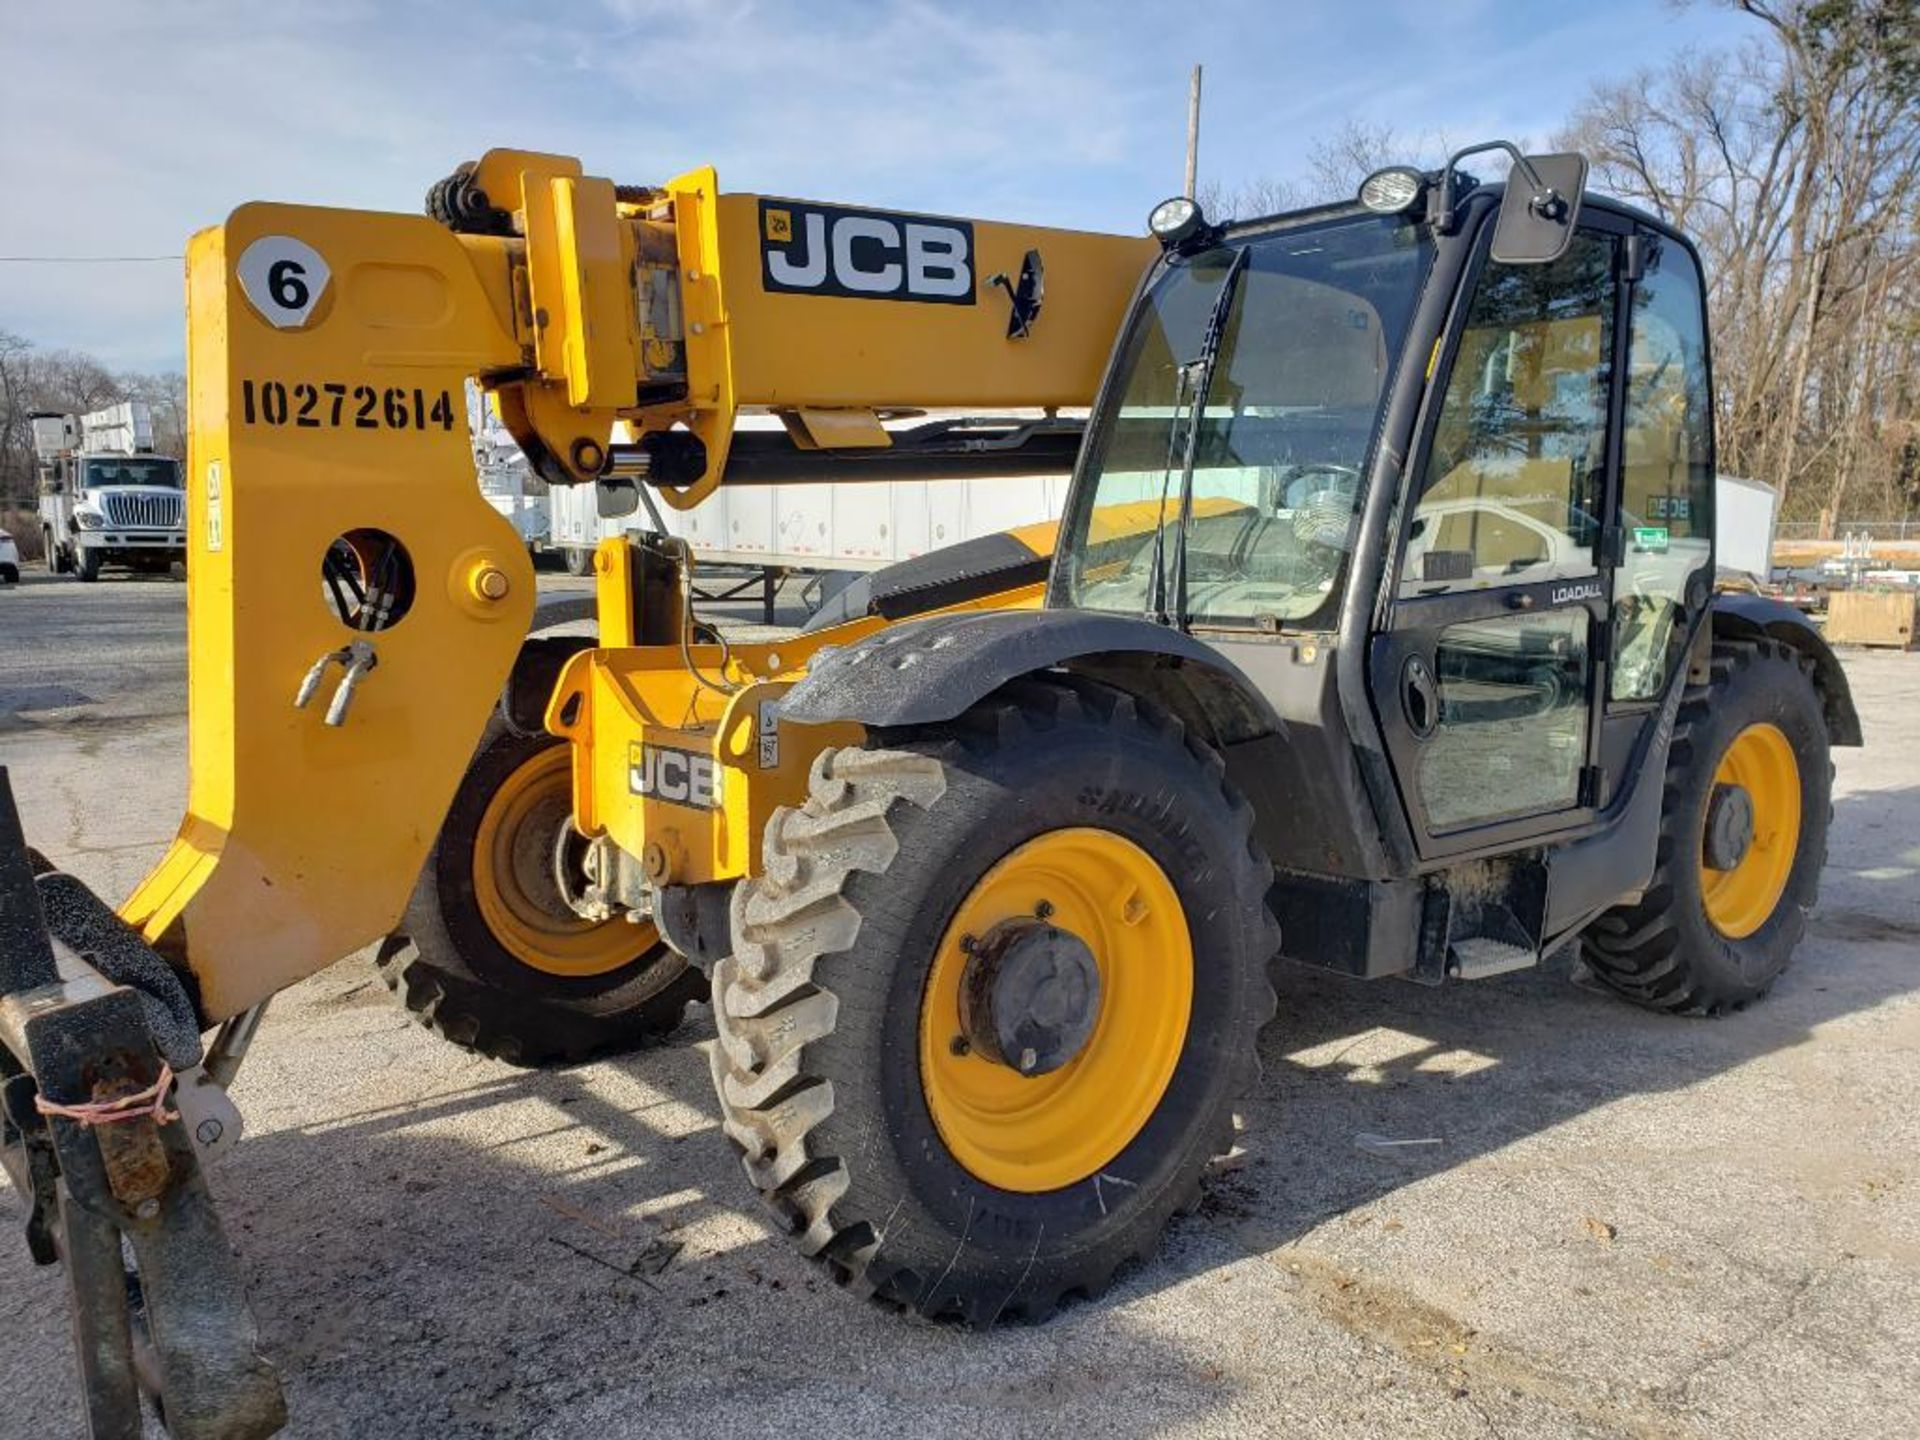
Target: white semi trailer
<point x="105" y="497"/>
<point x="834" y="528"/>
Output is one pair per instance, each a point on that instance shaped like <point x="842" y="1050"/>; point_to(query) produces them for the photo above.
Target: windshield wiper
<point x="1166" y="583"/>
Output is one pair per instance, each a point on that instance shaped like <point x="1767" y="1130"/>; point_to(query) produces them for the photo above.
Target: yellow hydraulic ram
<point x="354" y="605"/>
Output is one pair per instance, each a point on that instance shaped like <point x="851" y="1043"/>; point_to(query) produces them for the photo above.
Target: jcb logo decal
<point x="681" y="777"/>
<point x="865" y="254"/>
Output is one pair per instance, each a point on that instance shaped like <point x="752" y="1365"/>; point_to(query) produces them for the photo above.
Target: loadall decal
<point x="812" y="249"/>
<point x="1581" y="590"/>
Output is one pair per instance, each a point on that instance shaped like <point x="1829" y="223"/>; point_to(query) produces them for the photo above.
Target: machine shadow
<point x="541" y="1253"/>
<point x="1474" y="1067"/>
<point x="1369" y="1088"/>
<point x="602" y="1260"/>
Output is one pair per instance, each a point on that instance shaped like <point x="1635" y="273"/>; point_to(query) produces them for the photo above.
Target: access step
<point x="1481" y="958"/>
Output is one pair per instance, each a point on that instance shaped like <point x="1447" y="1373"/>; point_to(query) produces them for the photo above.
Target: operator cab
<point x="1463" y="430"/>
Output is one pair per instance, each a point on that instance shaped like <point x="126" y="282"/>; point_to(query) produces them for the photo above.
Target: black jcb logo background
<point x="865" y="254"/>
<point x="684" y="777"/>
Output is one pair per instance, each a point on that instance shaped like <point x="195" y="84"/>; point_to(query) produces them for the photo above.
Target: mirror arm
<point x="1440" y="213"/>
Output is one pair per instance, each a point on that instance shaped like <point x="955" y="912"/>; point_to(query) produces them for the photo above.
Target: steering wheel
<point x="1324" y="515"/>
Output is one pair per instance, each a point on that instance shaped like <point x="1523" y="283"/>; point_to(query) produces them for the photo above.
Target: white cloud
<point x="131" y="123"/>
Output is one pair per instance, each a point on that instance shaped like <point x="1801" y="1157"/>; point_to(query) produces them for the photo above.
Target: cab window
<point x="1666" y="469"/>
<point x="1278" y="441"/>
<point x="1511" y="489"/>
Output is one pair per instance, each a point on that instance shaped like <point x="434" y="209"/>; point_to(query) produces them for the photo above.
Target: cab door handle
<point x="1419" y="697"/>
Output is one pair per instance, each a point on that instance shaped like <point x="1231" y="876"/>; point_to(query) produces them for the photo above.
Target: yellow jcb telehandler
<point x="1379" y="633"/>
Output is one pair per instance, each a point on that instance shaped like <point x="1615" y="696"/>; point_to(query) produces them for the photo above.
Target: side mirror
<point x="1540" y="209"/>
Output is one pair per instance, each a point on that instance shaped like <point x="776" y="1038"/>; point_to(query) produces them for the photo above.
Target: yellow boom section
<point x="678" y="307"/>
<point x="340" y="554"/>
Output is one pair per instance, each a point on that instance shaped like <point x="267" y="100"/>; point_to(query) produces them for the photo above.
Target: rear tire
<point x="827" y="1063"/>
<point x="50" y="554"/>
<point x="466" y="977"/>
<point x="1668" y="952"/>
<point x="577" y="560"/>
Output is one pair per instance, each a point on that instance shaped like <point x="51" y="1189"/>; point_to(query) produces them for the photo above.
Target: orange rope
<point x="148" y="1103"/>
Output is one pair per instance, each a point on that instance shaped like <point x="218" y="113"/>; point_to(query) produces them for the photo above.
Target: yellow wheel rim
<point x="1042" y="1132"/>
<point x="1739" y="901"/>
<point x="514" y="887"/>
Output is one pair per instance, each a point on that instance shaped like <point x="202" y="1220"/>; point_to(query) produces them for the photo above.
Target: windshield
<point x="1314" y="326"/>
<point x="131" y="470"/>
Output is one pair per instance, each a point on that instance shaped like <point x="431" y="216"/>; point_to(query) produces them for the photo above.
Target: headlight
<point x="1176" y="221"/>
<point x="1393" y="190"/>
<point x="88" y="519"/>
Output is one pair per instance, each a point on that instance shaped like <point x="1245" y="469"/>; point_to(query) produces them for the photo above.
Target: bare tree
<point x="1248" y="200"/>
<point x="1795" y="163"/>
<point x="1338" y="162"/>
<point x="69" y="382"/>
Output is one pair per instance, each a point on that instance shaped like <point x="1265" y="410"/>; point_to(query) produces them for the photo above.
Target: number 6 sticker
<point x="283" y="278"/>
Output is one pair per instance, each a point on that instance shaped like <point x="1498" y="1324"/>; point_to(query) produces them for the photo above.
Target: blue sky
<point x="130" y="123"/>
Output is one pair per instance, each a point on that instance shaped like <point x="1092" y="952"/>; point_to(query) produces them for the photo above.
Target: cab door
<point x="1486" y="672"/>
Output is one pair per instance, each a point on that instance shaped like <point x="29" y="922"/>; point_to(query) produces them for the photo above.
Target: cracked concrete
<point x="1632" y="1226"/>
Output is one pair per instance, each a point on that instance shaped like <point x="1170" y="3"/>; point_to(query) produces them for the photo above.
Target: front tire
<point x="489" y="956"/>
<point x="918" y="1167"/>
<point x="87" y="566"/>
<point x="1720" y="920"/>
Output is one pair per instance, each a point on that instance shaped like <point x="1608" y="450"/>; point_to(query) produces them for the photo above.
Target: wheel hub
<point x="1729" y="827"/>
<point x="1030" y="996"/>
<point x="1750" y="834"/>
<point x="1029" y="1131"/>
<point x="532" y="881"/>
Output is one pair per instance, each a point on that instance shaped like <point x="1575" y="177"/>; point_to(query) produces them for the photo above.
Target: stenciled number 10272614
<point x="338" y="405"/>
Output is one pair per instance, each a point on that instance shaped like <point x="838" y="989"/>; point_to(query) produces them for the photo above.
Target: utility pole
<point x="1193" y="133"/>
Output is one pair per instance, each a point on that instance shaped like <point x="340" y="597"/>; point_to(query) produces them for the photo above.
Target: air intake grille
<point x="129" y="512"/>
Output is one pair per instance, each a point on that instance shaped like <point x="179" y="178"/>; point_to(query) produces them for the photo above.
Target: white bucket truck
<point x="105" y="497"/>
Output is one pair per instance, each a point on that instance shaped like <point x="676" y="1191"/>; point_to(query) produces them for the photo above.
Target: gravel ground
<point x="1630" y="1225"/>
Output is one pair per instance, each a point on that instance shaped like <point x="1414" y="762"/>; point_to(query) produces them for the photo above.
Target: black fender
<point x="1742" y="615"/>
<point x="925" y="671"/>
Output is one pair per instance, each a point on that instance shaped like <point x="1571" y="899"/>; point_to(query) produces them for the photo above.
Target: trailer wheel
<point x="994" y="999"/>
<point x="1743" y="838"/>
<point x="490" y="956"/>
